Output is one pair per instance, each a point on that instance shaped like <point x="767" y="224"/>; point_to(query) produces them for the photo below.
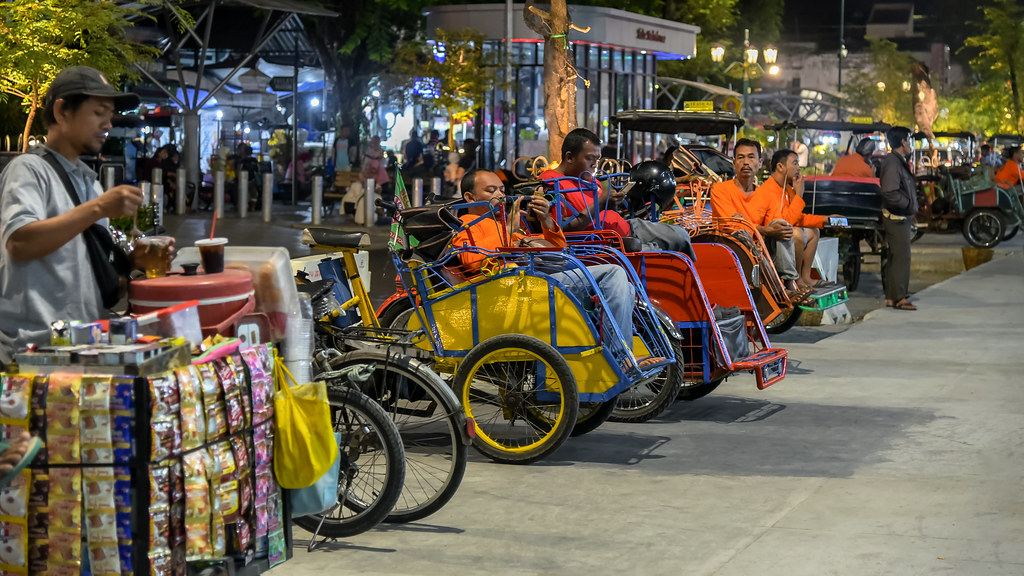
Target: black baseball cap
<point x="90" y="82"/>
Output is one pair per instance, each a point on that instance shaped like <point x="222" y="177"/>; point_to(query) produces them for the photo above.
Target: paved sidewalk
<point x="894" y="447"/>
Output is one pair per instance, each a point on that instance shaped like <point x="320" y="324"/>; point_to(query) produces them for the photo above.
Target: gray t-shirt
<point x="59" y="286"/>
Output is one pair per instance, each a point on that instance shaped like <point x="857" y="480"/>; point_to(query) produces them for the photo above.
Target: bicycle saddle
<point x="328" y="237"/>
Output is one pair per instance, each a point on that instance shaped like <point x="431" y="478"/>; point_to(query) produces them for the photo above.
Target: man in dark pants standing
<point x="899" y="204"/>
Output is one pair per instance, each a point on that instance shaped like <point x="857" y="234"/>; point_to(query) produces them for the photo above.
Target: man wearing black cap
<point x="45" y="269"/>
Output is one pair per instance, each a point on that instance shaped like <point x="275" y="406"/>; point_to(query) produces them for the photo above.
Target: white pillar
<point x="147" y="192"/>
<point x="218" y="193"/>
<point x="417" y="192"/>
<point x="158" y="176"/>
<point x="108" y="177"/>
<point x="317" y="199"/>
<point x="369" y="208"/>
<point x="435" y="186"/>
<point x="158" y="203"/>
<point x="268" y="195"/>
<point x="243" y="194"/>
<point x="182" y="196"/>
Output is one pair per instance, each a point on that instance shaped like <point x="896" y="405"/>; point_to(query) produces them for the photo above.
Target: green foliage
<point x="878" y="91"/>
<point x="39" y="38"/>
<point x="999" y="65"/>
<point x="464" y="75"/>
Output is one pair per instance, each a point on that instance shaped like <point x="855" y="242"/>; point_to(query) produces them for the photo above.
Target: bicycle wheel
<point x="505" y="383"/>
<point x="397" y="314"/>
<point x="592" y="415"/>
<point x="693" y="390"/>
<point x="430" y="422"/>
<point x="372" y="467"/>
<point x="647" y="400"/>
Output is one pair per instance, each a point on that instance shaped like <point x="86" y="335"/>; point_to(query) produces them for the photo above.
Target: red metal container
<point x="223" y="298"/>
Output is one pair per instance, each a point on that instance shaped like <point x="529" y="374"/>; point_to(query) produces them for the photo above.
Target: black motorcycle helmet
<point x="653" y="182"/>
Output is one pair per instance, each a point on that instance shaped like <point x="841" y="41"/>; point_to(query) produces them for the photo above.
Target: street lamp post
<point x="748" y="68"/>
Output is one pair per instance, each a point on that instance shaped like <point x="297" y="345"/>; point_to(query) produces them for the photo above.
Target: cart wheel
<point x="784" y="321"/>
<point x="1011" y="231"/>
<point x="983" y="228"/>
<point x="397" y="314"/>
<point x="592" y="415"/>
<point x="647" y="400"/>
<point x="851" y="266"/>
<point x="506" y="383"/>
<point x="694" y="390"/>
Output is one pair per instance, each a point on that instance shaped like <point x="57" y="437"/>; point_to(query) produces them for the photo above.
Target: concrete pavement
<point x="894" y="446"/>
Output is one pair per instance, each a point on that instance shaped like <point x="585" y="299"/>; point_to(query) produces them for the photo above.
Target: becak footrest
<point x="824" y="298"/>
<point x="768" y="366"/>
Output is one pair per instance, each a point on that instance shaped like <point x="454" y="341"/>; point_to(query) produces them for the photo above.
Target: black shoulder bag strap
<point x="109" y="262"/>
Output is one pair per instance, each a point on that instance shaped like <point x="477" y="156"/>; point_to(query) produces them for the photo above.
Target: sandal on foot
<point x="903" y="305"/>
<point x="31" y="449"/>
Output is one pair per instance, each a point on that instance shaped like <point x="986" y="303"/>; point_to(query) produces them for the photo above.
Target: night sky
<point x="818" y="21"/>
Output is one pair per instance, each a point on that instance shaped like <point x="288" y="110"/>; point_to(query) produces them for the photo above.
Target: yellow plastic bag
<point x="304" y="445"/>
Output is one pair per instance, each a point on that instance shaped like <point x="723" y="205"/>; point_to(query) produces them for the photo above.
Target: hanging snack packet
<point x="229" y="384"/>
<point x="193" y="426"/>
<point x="227" y="489"/>
<point x="62" y="419"/>
<point x="213" y="403"/>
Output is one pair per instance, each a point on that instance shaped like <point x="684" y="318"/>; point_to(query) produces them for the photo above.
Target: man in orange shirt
<point x="858" y="164"/>
<point x="785" y="188"/>
<point x="737" y="198"/>
<point x="488" y="234"/>
<point x="1010" y="174"/>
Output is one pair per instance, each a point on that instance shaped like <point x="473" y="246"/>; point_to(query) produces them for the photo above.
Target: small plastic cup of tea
<point x="153" y="254"/>
<point x="211" y="251"/>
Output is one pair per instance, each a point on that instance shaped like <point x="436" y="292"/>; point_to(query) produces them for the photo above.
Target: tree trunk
<point x="559" y="82"/>
<point x="451" y="129"/>
<point x="33" y="97"/>
<point x="1015" y="91"/>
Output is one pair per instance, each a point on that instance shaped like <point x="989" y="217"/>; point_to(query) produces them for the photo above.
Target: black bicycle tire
<point x="562" y="429"/>
<point x="439" y="392"/>
<point x="366" y="518"/>
<point x="673" y="376"/>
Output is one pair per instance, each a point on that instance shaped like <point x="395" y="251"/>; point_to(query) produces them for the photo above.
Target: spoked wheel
<point x="372" y="467"/>
<point x="397" y="314"/>
<point x="592" y="415"/>
<point x="431" y="425"/>
<point x="1011" y="231"/>
<point x="691" y="391"/>
<point x="784" y="321"/>
<point x="647" y="400"/>
<point x="520" y="395"/>
<point x="983" y="228"/>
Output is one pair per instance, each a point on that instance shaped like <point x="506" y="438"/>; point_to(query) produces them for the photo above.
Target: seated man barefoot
<point x="488" y="234"/>
<point x="739" y="198"/>
<point x="785" y="188"/>
<point x="581" y="150"/>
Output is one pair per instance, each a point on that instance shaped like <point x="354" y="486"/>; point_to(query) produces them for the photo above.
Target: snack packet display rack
<point x="151" y="465"/>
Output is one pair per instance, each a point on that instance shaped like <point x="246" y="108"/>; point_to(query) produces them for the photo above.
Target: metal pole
<point x="218" y="193"/>
<point x="147" y="192"/>
<point x="268" y="195"/>
<point x="295" y="125"/>
<point x="190" y="157"/>
<point x="317" y="192"/>
<point x="417" y="192"/>
<point x="746" y="71"/>
<point x="507" y="124"/>
<point x="182" y="196"/>
<point x="435" y="186"/>
<point x="158" y="176"/>
<point x="842" y="41"/>
<point x="243" y="194"/>
<point x="370" y="209"/>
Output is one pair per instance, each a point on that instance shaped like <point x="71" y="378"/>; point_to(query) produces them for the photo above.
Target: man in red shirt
<point x="738" y="198"/>
<point x="581" y="150"/>
<point x="858" y="164"/>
